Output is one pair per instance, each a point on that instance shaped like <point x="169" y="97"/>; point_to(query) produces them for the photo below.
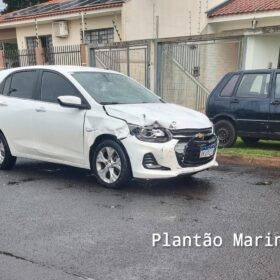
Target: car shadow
<point x="64" y="177"/>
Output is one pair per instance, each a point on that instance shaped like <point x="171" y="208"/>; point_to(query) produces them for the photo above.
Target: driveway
<point x="56" y="222"/>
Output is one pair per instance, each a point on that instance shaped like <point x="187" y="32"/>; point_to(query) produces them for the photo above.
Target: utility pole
<point x="37" y="34"/>
<point x="83" y="27"/>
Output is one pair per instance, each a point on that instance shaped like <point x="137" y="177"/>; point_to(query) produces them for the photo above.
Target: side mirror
<point x="71" y="102"/>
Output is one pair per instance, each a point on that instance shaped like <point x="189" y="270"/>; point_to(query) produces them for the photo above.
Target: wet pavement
<point x="56" y="222"/>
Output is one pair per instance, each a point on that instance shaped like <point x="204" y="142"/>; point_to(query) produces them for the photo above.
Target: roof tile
<point x="234" y="7"/>
<point x="58" y="7"/>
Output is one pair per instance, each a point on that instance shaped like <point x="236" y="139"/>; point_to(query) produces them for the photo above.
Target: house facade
<point x="104" y="21"/>
<point x="194" y="42"/>
<point x="258" y="21"/>
<point x="65" y="22"/>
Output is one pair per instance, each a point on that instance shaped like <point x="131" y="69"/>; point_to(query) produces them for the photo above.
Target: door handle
<point x="275" y="102"/>
<point x="235" y="100"/>
<point x="3" y="104"/>
<point x="40" y="110"/>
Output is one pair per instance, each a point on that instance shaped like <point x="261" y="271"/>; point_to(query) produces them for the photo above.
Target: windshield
<point x="110" y="88"/>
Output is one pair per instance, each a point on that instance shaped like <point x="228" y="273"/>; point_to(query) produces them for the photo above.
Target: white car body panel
<point x="164" y="155"/>
<point x="59" y="132"/>
<point x="163" y="113"/>
<point x="16" y="121"/>
<point x="49" y="132"/>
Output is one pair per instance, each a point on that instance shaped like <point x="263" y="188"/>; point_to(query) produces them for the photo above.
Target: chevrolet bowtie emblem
<point x="200" y="136"/>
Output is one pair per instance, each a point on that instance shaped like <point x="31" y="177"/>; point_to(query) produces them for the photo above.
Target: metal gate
<point x="188" y="71"/>
<point x="131" y="60"/>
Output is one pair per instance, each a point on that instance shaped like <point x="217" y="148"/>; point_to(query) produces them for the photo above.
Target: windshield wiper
<point x="110" y="103"/>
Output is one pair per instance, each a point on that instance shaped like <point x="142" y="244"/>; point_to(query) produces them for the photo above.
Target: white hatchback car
<point x="100" y="120"/>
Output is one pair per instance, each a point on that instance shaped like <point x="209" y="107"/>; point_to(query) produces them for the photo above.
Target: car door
<point x="275" y="108"/>
<point x="250" y="103"/>
<point x="59" y="130"/>
<point x="16" y="106"/>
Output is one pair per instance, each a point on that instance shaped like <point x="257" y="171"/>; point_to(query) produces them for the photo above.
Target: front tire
<point x="7" y="161"/>
<point x="226" y="133"/>
<point x="111" y="165"/>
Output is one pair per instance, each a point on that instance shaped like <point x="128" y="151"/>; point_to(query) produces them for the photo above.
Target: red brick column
<point x="2" y="60"/>
<point x="39" y="55"/>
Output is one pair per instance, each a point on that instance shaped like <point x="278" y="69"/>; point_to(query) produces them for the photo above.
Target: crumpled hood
<point x="166" y="114"/>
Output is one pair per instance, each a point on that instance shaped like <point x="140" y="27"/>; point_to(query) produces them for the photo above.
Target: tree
<point x="13" y="5"/>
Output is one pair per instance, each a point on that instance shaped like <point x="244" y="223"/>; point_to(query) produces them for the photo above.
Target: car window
<point x="7" y="84"/>
<point x="110" y="88"/>
<point x="254" y="85"/>
<point x="22" y="84"/>
<point x="277" y="88"/>
<point x="228" y="89"/>
<point x="54" y="85"/>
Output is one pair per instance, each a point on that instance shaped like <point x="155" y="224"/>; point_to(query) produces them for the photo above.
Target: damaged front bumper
<point x="164" y="160"/>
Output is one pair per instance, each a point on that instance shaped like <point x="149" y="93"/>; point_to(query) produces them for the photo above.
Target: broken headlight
<point x="153" y="133"/>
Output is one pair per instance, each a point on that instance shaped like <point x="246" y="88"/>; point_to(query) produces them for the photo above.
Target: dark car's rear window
<point x="229" y="87"/>
<point x="277" y="89"/>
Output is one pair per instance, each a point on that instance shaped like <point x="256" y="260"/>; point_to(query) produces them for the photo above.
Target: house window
<point x="44" y="41"/>
<point x="100" y="36"/>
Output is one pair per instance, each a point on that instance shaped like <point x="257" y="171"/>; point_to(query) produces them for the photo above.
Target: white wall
<point x="176" y="18"/>
<point x="262" y="50"/>
<point x="240" y="22"/>
<point x="74" y="37"/>
<point x="136" y="21"/>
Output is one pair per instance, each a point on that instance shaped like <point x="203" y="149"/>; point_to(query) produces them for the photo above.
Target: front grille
<point x="188" y="151"/>
<point x="191" y="133"/>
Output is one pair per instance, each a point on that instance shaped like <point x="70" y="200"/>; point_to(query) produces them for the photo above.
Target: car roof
<point x="254" y="71"/>
<point x="60" y="68"/>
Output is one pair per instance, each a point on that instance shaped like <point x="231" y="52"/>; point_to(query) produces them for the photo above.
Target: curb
<point x="245" y="160"/>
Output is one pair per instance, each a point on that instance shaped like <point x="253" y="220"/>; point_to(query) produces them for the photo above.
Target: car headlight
<point x="213" y="128"/>
<point x="152" y="133"/>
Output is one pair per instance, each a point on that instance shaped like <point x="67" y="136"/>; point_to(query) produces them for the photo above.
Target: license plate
<point x="207" y="151"/>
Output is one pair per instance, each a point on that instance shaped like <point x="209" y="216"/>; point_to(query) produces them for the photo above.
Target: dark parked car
<point x="246" y="104"/>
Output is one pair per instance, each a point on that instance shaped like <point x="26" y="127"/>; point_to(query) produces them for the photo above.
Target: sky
<point x="2" y="5"/>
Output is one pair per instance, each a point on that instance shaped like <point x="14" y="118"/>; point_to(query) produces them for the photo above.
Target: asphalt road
<point x="56" y="222"/>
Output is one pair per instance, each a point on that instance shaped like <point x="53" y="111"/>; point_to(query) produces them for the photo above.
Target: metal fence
<point x="19" y="58"/>
<point x="185" y="71"/>
<point x="132" y="60"/>
<point x="62" y="55"/>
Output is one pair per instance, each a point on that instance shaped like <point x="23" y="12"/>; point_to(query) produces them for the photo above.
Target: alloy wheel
<point x="108" y="165"/>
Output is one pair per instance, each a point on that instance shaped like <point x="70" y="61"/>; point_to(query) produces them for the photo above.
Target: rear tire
<point x="110" y="164"/>
<point x="226" y="133"/>
<point x="7" y="161"/>
<point x="250" y="141"/>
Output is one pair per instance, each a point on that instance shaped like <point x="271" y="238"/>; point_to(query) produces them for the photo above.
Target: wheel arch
<point x="227" y="118"/>
<point x="3" y="134"/>
<point x="8" y="142"/>
<point x="102" y="138"/>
